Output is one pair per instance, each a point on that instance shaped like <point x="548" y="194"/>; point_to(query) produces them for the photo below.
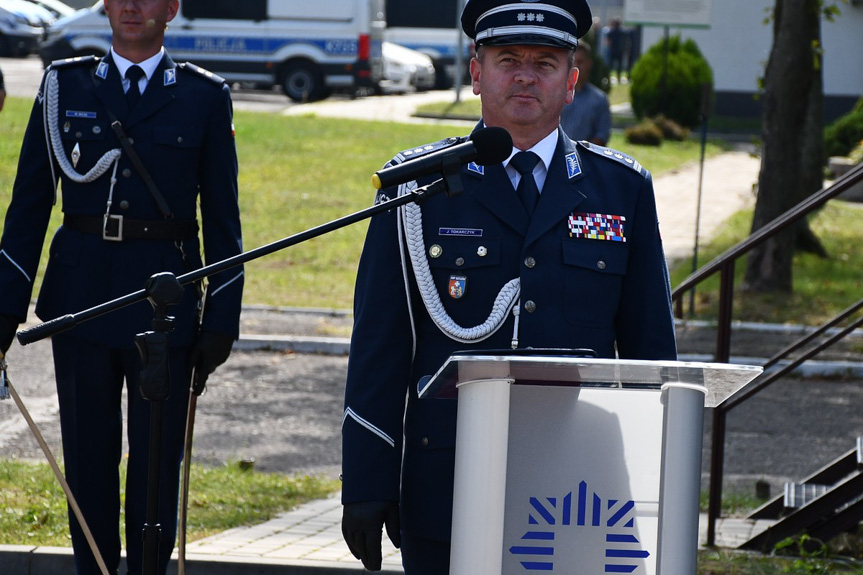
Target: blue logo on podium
<point x="547" y="515"/>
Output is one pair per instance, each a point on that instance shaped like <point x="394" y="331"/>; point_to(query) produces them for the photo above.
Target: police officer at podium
<point x="557" y="247"/>
<point x="137" y="143"/>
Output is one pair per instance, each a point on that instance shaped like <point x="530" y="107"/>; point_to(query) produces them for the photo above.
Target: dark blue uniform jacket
<point x="611" y="295"/>
<point x="182" y="130"/>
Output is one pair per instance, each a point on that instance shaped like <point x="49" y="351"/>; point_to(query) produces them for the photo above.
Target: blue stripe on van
<point x="257" y="46"/>
<point x="254" y="46"/>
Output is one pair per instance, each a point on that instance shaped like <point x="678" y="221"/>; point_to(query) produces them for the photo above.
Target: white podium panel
<point x="575" y="465"/>
<point x="582" y="480"/>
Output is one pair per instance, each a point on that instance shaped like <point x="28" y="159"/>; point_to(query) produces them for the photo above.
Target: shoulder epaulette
<point x="76" y="61"/>
<point x="201" y="72"/>
<point x="420" y="151"/>
<point x="615" y="155"/>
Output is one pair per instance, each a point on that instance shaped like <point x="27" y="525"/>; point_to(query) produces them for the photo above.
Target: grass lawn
<point x="33" y="507"/>
<point x="297" y="173"/>
<point x="822" y="287"/>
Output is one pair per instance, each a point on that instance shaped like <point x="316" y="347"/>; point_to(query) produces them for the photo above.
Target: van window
<point x="336" y="10"/>
<point x="423" y="14"/>
<point x="225" y="9"/>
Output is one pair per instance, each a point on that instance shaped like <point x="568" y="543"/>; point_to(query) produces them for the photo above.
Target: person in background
<point x="139" y="144"/>
<point x="617" y="41"/>
<point x="588" y="116"/>
<point x="556" y="247"/>
<point x="2" y="91"/>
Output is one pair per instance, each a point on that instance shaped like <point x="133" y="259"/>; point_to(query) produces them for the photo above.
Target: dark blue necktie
<point x="528" y="192"/>
<point x="133" y="94"/>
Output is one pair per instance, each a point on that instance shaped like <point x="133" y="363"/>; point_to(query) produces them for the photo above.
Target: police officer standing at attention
<point x="558" y="247"/>
<point x="137" y="142"/>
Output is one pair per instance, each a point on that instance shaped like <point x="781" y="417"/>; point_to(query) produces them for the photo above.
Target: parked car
<point x="22" y="26"/>
<point x="405" y="70"/>
<point x="57" y="8"/>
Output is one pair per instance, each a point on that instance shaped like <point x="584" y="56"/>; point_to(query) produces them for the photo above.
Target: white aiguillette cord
<point x="7" y="387"/>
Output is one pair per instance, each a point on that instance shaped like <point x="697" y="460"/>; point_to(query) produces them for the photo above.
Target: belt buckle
<point x="106" y="234"/>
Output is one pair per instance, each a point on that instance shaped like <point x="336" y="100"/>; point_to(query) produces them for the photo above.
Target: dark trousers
<point x="424" y="556"/>
<point x="89" y="387"/>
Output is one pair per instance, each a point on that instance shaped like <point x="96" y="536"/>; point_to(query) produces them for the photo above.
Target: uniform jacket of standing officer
<point x="182" y="130"/>
<point x="592" y="274"/>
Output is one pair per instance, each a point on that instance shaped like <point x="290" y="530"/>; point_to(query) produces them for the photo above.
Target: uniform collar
<point x="149" y="65"/>
<point x="544" y="149"/>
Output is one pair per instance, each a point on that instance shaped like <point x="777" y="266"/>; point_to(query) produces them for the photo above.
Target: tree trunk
<point x="792" y="133"/>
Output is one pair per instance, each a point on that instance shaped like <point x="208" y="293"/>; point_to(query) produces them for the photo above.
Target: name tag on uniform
<point x="463" y="232"/>
<point x="79" y="114"/>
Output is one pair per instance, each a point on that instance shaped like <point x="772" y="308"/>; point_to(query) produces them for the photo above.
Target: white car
<point x="22" y="26"/>
<point x="405" y="70"/>
<point x="57" y="8"/>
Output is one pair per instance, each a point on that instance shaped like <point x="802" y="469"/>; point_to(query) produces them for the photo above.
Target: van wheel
<point x="302" y="82"/>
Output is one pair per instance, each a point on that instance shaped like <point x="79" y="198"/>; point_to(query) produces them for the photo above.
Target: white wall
<point x="738" y="43"/>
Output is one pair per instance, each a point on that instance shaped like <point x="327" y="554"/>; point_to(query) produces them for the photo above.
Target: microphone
<point x="486" y="146"/>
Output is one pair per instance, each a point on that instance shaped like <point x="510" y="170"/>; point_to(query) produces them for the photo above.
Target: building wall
<point x="738" y="43"/>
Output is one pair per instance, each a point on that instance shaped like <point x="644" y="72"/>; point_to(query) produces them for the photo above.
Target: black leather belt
<point x="115" y="228"/>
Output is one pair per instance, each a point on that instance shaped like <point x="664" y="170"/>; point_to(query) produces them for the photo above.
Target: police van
<point x="432" y="28"/>
<point x="307" y="48"/>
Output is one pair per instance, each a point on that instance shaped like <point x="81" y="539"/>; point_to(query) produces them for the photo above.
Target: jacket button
<point x="529" y="262"/>
<point x="124" y="205"/>
<point x="127" y="173"/>
<point x="425" y="441"/>
<point x="459" y="262"/>
<point x="530" y="306"/>
<point x="600" y="264"/>
<point x="179" y="139"/>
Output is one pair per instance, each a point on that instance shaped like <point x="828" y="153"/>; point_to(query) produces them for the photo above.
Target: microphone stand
<point x="165" y="289"/>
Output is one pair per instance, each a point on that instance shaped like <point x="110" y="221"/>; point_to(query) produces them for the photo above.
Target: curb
<point x="293" y="343"/>
<point x="27" y="560"/>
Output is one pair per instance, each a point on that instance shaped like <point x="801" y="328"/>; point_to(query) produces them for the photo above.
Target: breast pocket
<point x="178" y="137"/>
<point x="84" y="129"/>
<point x="593" y="278"/>
<point x="461" y="264"/>
<point x="90" y="136"/>
<point x="178" y="145"/>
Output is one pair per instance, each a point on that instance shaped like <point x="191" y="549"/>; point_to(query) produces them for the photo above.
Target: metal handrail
<point x="724" y="264"/>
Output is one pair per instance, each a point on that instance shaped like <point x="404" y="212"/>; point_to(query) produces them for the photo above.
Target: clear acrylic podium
<point x="575" y="465"/>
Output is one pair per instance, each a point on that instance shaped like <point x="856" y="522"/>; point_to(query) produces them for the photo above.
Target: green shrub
<point x="687" y="73"/>
<point x="844" y="134"/>
<point x="856" y="154"/>
<point x="670" y="129"/>
<point x="645" y="133"/>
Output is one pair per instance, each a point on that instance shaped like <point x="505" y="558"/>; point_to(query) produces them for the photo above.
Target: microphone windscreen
<point x="493" y="145"/>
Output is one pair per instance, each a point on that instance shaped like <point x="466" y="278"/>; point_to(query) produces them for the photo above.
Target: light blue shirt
<point x="149" y="66"/>
<point x="588" y="116"/>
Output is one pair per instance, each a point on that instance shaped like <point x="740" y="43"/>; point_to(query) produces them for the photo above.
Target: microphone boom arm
<point x="450" y="183"/>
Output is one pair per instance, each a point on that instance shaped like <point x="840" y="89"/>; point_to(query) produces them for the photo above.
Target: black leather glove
<point x="8" y="327"/>
<point x="362" y="526"/>
<point x="210" y="351"/>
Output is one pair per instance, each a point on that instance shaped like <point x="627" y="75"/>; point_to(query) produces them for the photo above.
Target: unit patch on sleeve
<point x="597" y="227"/>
